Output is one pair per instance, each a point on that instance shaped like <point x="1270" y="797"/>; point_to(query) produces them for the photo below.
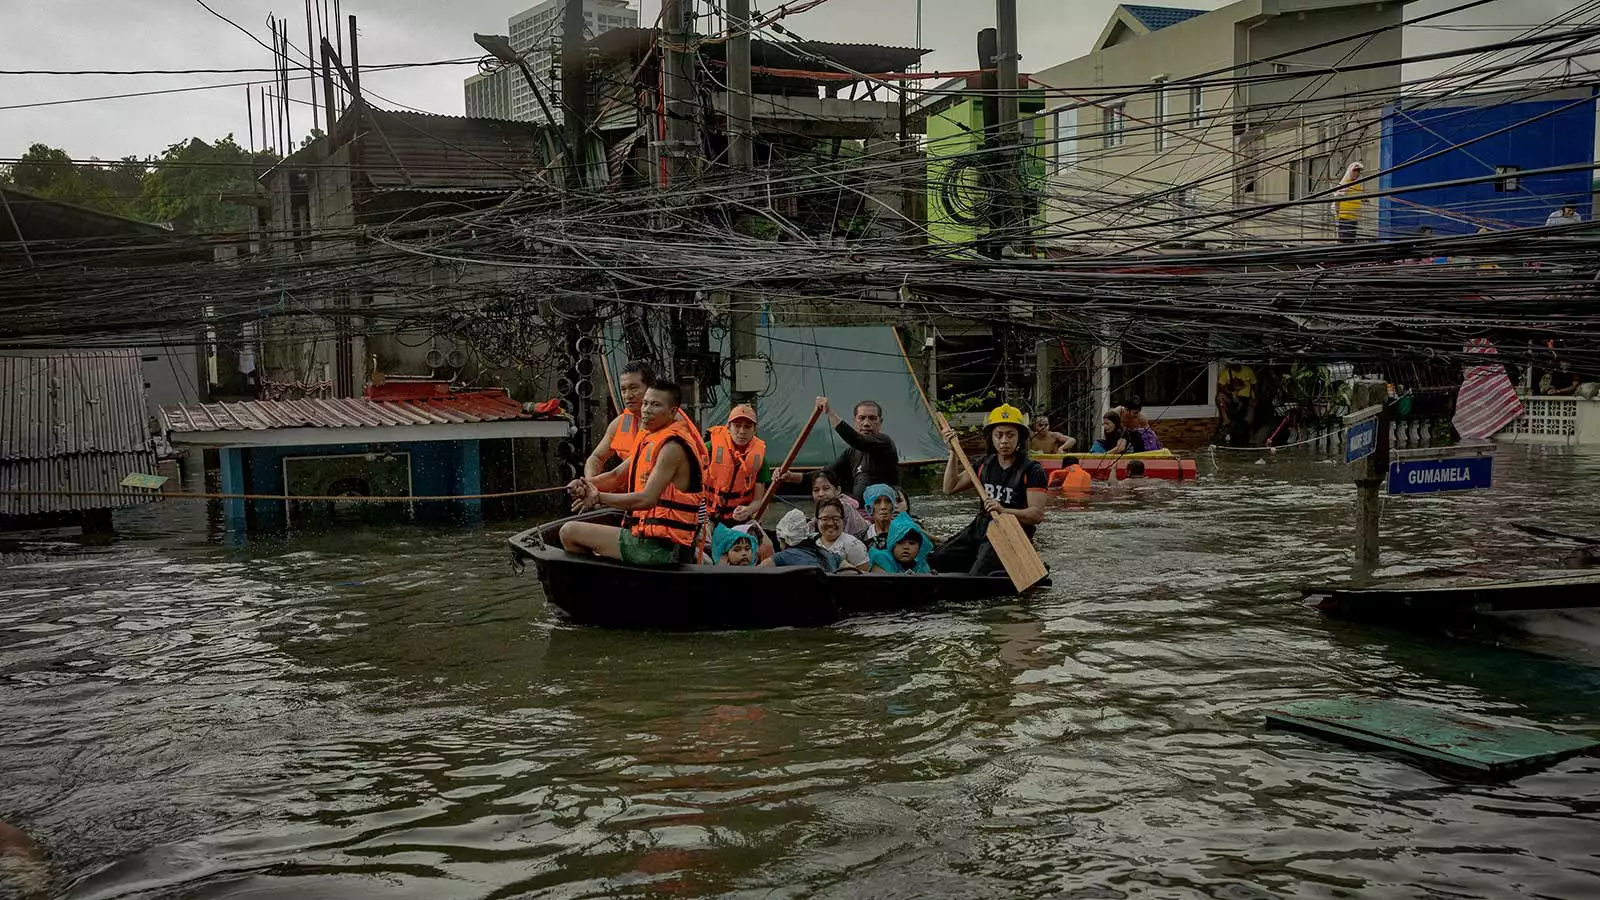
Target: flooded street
<point x="393" y="712"/>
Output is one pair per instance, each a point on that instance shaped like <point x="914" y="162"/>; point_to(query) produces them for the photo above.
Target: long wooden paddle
<point x="1005" y="533"/>
<point x="772" y="489"/>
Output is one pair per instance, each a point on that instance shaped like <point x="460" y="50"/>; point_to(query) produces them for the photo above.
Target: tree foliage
<point x="193" y="185"/>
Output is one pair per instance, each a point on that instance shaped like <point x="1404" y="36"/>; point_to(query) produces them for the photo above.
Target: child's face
<point x="738" y="554"/>
<point x="905" y="550"/>
<point x="883" y="509"/>
<point x="823" y="489"/>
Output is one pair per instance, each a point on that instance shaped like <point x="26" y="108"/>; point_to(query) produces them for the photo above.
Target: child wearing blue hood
<point x="732" y="548"/>
<point x="908" y="549"/>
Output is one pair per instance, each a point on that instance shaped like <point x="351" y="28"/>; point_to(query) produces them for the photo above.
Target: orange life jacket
<point x="626" y="438"/>
<point x="731" y="475"/>
<point x="1075" y="482"/>
<point x="678" y="514"/>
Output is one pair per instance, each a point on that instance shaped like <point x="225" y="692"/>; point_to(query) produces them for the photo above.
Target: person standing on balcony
<point x="1347" y="208"/>
<point x="1566" y="215"/>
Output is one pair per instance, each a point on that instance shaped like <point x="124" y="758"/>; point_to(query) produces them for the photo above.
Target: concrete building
<point x="1182" y="113"/>
<point x="1502" y="134"/>
<point x="535" y="34"/>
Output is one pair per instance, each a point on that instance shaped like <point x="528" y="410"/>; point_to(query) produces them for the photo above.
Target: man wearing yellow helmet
<point x="1012" y="484"/>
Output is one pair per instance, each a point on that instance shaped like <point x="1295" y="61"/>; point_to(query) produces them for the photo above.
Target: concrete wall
<point x="438" y="468"/>
<point x="1109" y="195"/>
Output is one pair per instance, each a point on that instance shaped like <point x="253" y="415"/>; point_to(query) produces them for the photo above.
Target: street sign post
<point x="1426" y="476"/>
<point x="1361" y="440"/>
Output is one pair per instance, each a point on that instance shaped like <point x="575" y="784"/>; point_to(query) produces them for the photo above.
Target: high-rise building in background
<point x="535" y="34"/>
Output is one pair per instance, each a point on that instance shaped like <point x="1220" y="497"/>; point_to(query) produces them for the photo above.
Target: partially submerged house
<point x="401" y="440"/>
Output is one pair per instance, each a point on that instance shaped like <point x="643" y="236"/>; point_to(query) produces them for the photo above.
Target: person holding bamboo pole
<point x="1012" y="484"/>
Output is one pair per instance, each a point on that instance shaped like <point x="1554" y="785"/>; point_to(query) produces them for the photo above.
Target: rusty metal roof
<point x="55" y="404"/>
<point x="419" y="151"/>
<point x="349" y="412"/>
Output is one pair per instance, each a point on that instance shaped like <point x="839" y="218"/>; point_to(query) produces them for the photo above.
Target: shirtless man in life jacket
<point x="661" y="487"/>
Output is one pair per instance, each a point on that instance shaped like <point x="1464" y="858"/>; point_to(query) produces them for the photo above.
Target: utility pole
<point x="574" y="91"/>
<point x="681" y="148"/>
<point x="1370" y="473"/>
<point x="748" y="373"/>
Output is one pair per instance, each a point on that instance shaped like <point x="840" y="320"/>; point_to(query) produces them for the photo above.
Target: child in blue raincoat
<point x="908" y="549"/>
<point x="732" y="548"/>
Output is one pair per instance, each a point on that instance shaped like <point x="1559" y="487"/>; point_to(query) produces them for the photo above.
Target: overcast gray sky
<point x="165" y="34"/>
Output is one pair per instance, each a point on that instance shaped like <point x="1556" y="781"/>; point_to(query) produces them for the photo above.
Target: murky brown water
<point x="393" y="713"/>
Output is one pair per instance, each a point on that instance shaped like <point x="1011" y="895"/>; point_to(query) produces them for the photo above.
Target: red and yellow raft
<point x="1162" y="464"/>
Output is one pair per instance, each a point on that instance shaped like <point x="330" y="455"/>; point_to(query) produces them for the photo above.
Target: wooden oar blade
<point x="1016" y="553"/>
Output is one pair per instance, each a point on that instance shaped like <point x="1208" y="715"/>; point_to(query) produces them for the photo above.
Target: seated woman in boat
<point x="797" y="545"/>
<point x="1133" y="421"/>
<point x="1113" y="439"/>
<point x="824" y="488"/>
<point x="1012" y="484"/>
<point x="908" y="549"/>
<point x="732" y="548"/>
<point x="881" y="503"/>
<point x="832" y="537"/>
<point x="661" y="484"/>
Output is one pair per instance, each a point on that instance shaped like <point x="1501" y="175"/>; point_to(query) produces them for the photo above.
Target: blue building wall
<point x="1539" y="134"/>
<point x="438" y="468"/>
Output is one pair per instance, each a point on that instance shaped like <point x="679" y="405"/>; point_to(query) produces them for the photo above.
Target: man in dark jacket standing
<point x="871" y="457"/>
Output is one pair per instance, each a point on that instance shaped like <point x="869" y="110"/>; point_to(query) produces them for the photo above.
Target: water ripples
<point x="392" y="712"/>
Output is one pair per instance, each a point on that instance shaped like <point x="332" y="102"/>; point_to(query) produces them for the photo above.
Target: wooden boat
<point x="1162" y="464"/>
<point x="609" y="594"/>
<point x="1396" y="602"/>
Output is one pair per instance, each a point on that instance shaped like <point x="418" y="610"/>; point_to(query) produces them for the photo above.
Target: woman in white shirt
<point x="832" y="537"/>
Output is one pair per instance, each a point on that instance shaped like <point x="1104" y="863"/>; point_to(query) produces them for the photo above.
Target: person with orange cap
<point x="738" y="476"/>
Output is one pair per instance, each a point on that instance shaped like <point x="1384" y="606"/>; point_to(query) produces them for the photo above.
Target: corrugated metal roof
<point x="89" y="472"/>
<point x="72" y="422"/>
<point x="420" y="151"/>
<point x="1156" y="18"/>
<point x="350" y="412"/>
<point x="64" y="403"/>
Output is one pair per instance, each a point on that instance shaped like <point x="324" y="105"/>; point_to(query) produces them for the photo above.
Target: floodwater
<point x="392" y="712"/>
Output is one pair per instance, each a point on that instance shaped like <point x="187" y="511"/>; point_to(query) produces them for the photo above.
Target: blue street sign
<point x="1360" y="440"/>
<point x="1424" y="476"/>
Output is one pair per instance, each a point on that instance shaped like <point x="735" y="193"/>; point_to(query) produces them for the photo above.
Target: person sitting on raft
<point x="732" y="548"/>
<point x="1133" y="420"/>
<point x="664" y="493"/>
<point x="825" y="488"/>
<point x="908" y="549"/>
<point x="1012" y="484"/>
<point x="832" y="537"/>
<point x="798" y="546"/>
<point x="881" y="504"/>
<point x="1113" y="439"/>
<point x="1043" y="440"/>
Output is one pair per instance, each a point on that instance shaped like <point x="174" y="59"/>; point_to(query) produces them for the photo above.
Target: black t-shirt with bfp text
<point x="1010" y="486"/>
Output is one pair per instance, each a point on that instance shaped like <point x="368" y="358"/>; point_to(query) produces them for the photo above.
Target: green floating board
<point x="1430" y="733"/>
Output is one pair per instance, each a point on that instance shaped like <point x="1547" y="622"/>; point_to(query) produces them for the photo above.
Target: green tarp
<point x="843" y="363"/>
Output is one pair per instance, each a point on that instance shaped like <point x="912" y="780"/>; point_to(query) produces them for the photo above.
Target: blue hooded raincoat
<point x="901" y="526"/>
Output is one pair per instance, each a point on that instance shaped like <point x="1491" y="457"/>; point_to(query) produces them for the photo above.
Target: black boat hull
<point x="609" y="594"/>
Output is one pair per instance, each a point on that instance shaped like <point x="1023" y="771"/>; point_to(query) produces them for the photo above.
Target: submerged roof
<point x="355" y="419"/>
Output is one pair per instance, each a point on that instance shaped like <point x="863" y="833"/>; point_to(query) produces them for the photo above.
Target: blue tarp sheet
<point x="843" y="363"/>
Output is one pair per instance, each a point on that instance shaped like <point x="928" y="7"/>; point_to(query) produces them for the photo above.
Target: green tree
<point x="197" y="186"/>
